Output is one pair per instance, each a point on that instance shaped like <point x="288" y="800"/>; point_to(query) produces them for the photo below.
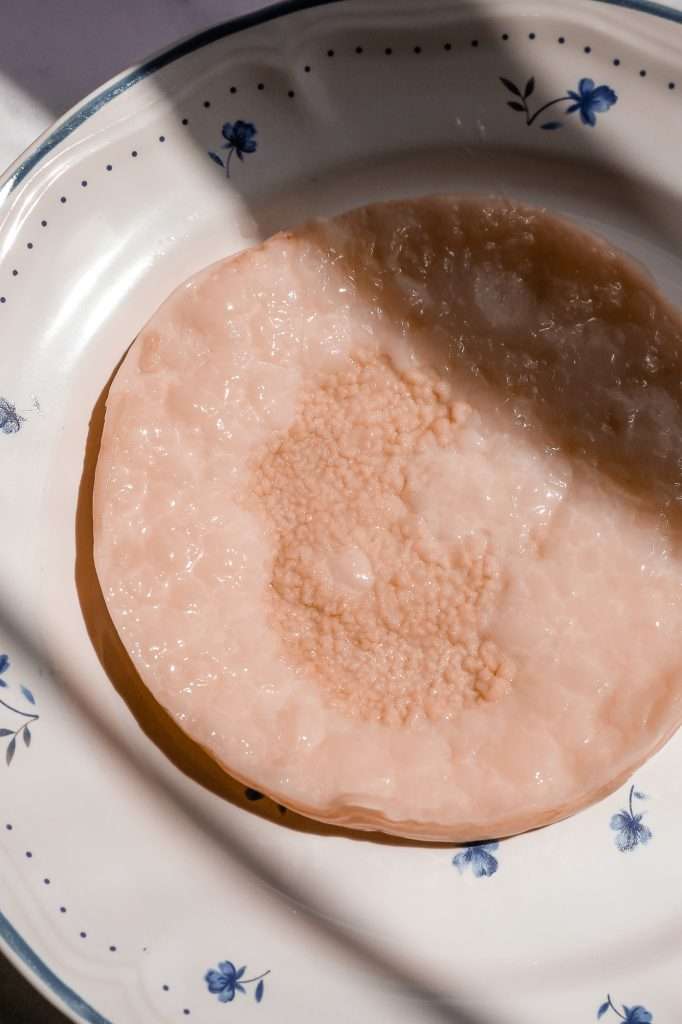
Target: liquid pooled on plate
<point x="387" y="515"/>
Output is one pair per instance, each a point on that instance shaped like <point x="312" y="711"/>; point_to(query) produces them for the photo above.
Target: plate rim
<point x="84" y="109"/>
<point x="12" y="944"/>
<point x="80" y="112"/>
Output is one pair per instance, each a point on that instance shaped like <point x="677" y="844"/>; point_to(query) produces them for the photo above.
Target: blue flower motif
<point x="227" y="980"/>
<point x="591" y="100"/>
<point x="480" y="857"/>
<point x="10" y="420"/>
<point x="25" y="718"/>
<point x="628" y="826"/>
<point x="240" y="138"/>
<point x="629" y="1015"/>
<point x="637" y="1015"/>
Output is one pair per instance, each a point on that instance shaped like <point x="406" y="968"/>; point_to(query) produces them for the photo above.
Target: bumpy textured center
<point x="388" y="619"/>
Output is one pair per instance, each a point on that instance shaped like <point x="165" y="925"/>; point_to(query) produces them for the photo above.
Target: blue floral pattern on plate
<point x="629" y="1014"/>
<point x="10" y="420"/>
<point x="588" y="100"/>
<point x="240" y="138"/>
<point x="628" y="826"/>
<point x="478" y="856"/>
<point x="226" y="980"/>
<point x="23" y="729"/>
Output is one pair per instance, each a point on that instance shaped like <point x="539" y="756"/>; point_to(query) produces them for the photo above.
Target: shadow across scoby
<point x="634" y="439"/>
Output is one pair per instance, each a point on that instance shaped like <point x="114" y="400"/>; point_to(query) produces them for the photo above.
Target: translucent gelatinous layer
<point x="387" y="514"/>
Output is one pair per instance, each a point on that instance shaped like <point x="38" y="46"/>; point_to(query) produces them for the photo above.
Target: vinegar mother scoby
<point x="387" y="515"/>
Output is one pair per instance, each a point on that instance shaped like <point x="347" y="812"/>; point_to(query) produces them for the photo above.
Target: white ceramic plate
<point x="130" y="868"/>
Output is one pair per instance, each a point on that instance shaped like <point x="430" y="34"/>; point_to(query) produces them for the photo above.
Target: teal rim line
<point x="8" y="933"/>
<point x="31" y="959"/>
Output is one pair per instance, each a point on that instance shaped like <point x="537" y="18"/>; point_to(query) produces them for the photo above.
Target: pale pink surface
<point x="386" y="515"/>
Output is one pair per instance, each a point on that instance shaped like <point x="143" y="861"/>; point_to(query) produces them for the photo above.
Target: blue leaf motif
<point x="24" y="718"/>
<point x="510" y="85"/>
<point x="602" y="1010"/>
<point x="216" y="159"/>
<point x="260" y="988"/>
<point x="551" y="126"/>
